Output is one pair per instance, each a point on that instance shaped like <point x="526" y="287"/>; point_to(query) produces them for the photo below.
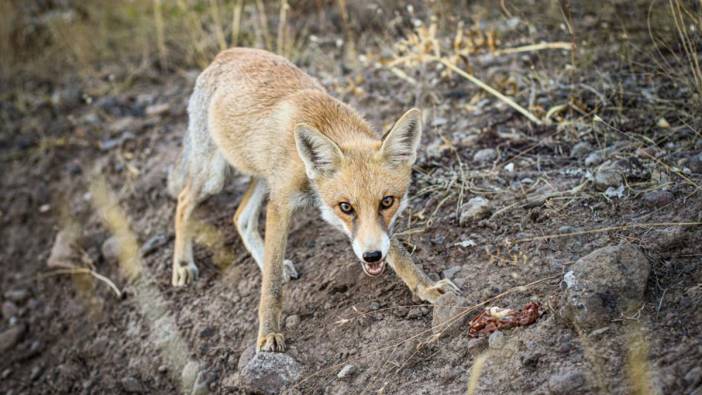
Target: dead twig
<point x="80" y="270"/>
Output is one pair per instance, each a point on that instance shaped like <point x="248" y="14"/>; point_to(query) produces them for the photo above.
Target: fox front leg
<point x="270" y="337"/>
<point x="418" y="282"/>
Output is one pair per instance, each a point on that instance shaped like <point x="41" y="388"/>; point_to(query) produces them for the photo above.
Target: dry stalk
<point x="236" y="22"/>
<point x="216" y="18"/>
<point x="534" y="47"/>
<point x="160" y="36"/>
<point x="282" y="27"/>
<point x="263" y="24"/>
<point x="488" y="89"/>
<point x="80" y="270"/>
<point x="475" y="372"/>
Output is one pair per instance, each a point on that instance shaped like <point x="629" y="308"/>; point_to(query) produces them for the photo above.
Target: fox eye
<point x="346" y="208"/>
<point x="387" y="202"/>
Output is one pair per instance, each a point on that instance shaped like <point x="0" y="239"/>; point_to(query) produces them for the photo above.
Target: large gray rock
<point x="566" y="381"/>
<point x="603" y="285"/>
<point x="269" y="373"/>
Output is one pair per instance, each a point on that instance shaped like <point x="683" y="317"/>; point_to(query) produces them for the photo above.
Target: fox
<point x="256" y="113"/>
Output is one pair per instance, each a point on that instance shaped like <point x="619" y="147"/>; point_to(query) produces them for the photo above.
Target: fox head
<point x="362" y="184"/>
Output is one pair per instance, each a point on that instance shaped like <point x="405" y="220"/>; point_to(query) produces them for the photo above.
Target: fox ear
<point x="319" y="153"/>
<point x="400" y="143"/>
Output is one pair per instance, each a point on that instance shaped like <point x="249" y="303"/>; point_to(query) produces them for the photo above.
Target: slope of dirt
<point x="64" y="333"/>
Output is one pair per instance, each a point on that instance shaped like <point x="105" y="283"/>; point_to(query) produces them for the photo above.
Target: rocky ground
<point x="595" y="215"/>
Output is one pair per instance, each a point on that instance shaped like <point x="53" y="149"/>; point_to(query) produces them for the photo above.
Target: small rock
<point x="122" y="124"/>
<point x="18" y="295"/>
<point x="566" y="382"/>
<point x="36" y="372"/>
<point x="6" y="373"/>
<point x="663" y="123"/>
<point x="607" y="175"/>
<point x="450" y="272"/>
<point x="374" y="306"/>
<point x="414" y="313"/>
<point x="695" y="163"/>
<point x="162" y="369"/>
<point x="110" y="249"/>
<point x="10" y="337"/>
<point x="132" y="385"/>
<point x="594" y="159"/>
<point x="476" y="209"/>
<point x="63" y="253"/>
<point x="446" y="308"/>
<point x="604" y="284"/>
<point x="269" y="372"/>
<point x="656" y="199"/>
<point x="202" y="383"/>
<point x="694" y="376"/>
<point x="496" y="340"/>
<point x="188" y="376"/>
<point x="580" y="149"/>
<point x="485" y="155"/>
<point x="245" y="357"/>
<point x="347" y="371"/>
<point x="153" y="244"/>
<point x="9" y="309"/>
<point x="476" y="346"/>
<point x="292" y="321"/>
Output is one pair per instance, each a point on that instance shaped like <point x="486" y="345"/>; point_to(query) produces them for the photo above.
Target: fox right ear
<point x="319" y="153"/>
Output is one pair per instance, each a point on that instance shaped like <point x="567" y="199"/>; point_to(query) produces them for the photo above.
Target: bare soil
<point x="79" y="337"/>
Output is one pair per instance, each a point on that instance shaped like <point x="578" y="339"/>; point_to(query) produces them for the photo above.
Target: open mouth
<point x="374" y="269"/>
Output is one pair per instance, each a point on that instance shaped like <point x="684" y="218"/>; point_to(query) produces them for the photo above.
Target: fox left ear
<point x="400" y="143"/>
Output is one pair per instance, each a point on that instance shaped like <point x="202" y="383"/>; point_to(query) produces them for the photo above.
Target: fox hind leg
<point x="246" y="222"/>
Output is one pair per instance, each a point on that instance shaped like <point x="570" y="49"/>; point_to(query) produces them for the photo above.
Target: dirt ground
<point x="70" y="333"/>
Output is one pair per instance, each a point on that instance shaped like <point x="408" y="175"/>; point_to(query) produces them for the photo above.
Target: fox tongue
<point x="374" y="268"/>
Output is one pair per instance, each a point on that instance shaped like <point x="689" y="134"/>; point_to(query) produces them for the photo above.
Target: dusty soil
<point x="77" y="337"/>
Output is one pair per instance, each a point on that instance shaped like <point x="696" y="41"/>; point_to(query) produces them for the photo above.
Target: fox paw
<point x="184" y="273"/>
<point x="272" y="342"/>
<point x="289" y="271"/>
<point x="439" y="288"/>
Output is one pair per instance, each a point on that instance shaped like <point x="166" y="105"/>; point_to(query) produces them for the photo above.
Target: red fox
<point x="260" y="114"/>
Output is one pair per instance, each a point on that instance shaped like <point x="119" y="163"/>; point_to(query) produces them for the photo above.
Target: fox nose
<point x="372" y="256"/>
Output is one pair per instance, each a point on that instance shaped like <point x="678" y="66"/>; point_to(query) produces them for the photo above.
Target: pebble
<point x="496" y="340"/>
<point x="36" y="372"/>
<point x="694" y="376"/>
<point x="292" y="321"/>
<point x="656" y="199"/>
<point x="695" y="163"/>
<point x="580" y="149"/>
<point x="450" y="272"/>
<point x="63" y="252"/>
<point x="446" y="308"/>
<point x="9" y="309"/>
<point x="485" y="155"/>
<point x="10" y="337"/>
<point x="594" y="159"/>
<point x="132" y="385"/>
<point x="566" y="381"/>
<point x="110" y="249"/>
<point x="18" y="295"/>
<point x="476" y="346"/>
<point x="153" y="244"/>
<point x="475" y="209"/>
<point x="347" y="371"/>
<point x="607" y="175"/>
